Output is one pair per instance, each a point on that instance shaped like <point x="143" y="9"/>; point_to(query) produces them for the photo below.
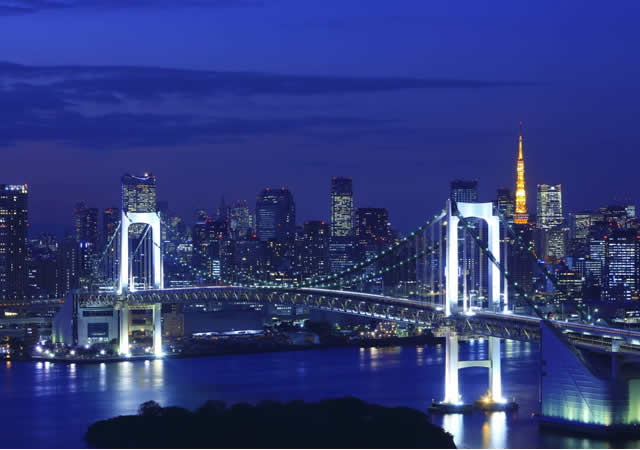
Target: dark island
<point x="334" y="423"/>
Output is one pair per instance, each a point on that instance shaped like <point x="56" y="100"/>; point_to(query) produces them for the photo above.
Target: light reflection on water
<point x="36" y="393"/>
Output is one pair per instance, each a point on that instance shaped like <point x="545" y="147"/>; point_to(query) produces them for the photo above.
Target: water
<point x="51" y="405"/>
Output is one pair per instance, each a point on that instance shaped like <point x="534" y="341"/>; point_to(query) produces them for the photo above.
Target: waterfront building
<point x="13" y="240"/>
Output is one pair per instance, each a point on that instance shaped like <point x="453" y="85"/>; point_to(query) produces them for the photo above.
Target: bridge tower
<point x="139" y="207"/>
<point x="482" y="211"/>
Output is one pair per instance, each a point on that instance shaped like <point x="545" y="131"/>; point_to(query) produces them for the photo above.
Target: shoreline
<point x="248" y="350"/>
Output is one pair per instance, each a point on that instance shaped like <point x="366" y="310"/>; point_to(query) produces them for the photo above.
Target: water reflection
<point x="102" y="379"/>
<point x="453" y="423"/>
<point x="497" y="429"/>
<point x="420" y="356"/>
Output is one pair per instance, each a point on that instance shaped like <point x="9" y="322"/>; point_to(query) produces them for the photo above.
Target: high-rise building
<point x="622" y="251"/>
<point x="579" y="224"/>
<point x="313" y="249"/>
<point x="465" y="191"/>
<point x="139" y="193"/>
<point x="372" y="227"/>
<point x="521" y="216"/>
<point x="276" y="215"/>
<point x="505" y="204"/>
<point x="67" y="261"/>
<point x="223" y="210"/>
<point x="13" y="240"/>
<point x="549" y="206"/>
<point x="570" y="286"/>
<point x="86" y="222"/>
<point x="342" y="217"/>
<point x="240" y="219"/>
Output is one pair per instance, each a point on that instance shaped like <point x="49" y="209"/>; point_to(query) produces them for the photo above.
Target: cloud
<point x="12" y="7"/>
<point x="111" y="107"/>
<point x="150" y="82"/>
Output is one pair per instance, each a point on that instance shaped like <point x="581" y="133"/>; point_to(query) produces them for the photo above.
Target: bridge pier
<point x="451" y="388"/>
<point x="124" y="330"/>
<point x="157" y="329"/>
<point x="452" y="402"/>
<point x="495" y="370"/>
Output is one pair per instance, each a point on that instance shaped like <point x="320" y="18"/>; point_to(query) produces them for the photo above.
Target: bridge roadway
<point x="402" y="310"/>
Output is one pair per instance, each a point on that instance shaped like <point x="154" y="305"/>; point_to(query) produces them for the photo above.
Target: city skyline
<point x="440" y="98"/>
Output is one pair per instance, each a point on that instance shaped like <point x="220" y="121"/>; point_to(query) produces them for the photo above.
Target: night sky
<point x="225" y="97"/>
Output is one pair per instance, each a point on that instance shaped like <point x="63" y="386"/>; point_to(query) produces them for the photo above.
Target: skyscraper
<point x="372" y="227"/>
<point x="240" y="219"/>
<point x="622" y="250"/>
<point x="313" y="249"/>
<point x="505" y="203"/>
<point x="13" y="240"/>
<point x="86" y="224"/>
<point x="139" y="193"/>
<point x="275" y="215"/>
<point x="521" y="216"/>
<point x="549" y="206"/>
<point x="465" y="191"/>
<point x="342" y="217"/>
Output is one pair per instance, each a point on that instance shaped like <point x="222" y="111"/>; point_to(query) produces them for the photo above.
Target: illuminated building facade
<point x="342" y="218"/>
<point x="549" y="206"/>
<point x="521" y="216"/>
<point x="622" y="250"/>
<point x="570" y="286"/>
<point x="139" y="193"/>
<point x="13" y="240"/>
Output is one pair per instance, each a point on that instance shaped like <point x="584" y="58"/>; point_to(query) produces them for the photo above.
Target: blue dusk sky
<point x="225" y="97"/>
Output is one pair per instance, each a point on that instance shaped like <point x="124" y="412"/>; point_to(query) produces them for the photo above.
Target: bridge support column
<point x="157" y="329"/>
<point x="124" y="330"/>
<point x="451" y="391"/>
<point x="495" y="375"/>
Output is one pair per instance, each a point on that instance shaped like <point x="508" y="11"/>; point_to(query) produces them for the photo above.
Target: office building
<point x="275" y="215"/>
<point x="240" y="219"/>
<point x="465" y="191"/>
<point x="139" y="193"/>
<point x="505" y="204"/>
<point x="13" y="240"/>
<point x="549" y="206"/>
<point x="622" y="250"/>
<point x="342" y="217"/>
<point x="313" y="249"/>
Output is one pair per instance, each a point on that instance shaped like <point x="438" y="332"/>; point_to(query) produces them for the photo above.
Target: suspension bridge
<point x="450" y="275"/>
